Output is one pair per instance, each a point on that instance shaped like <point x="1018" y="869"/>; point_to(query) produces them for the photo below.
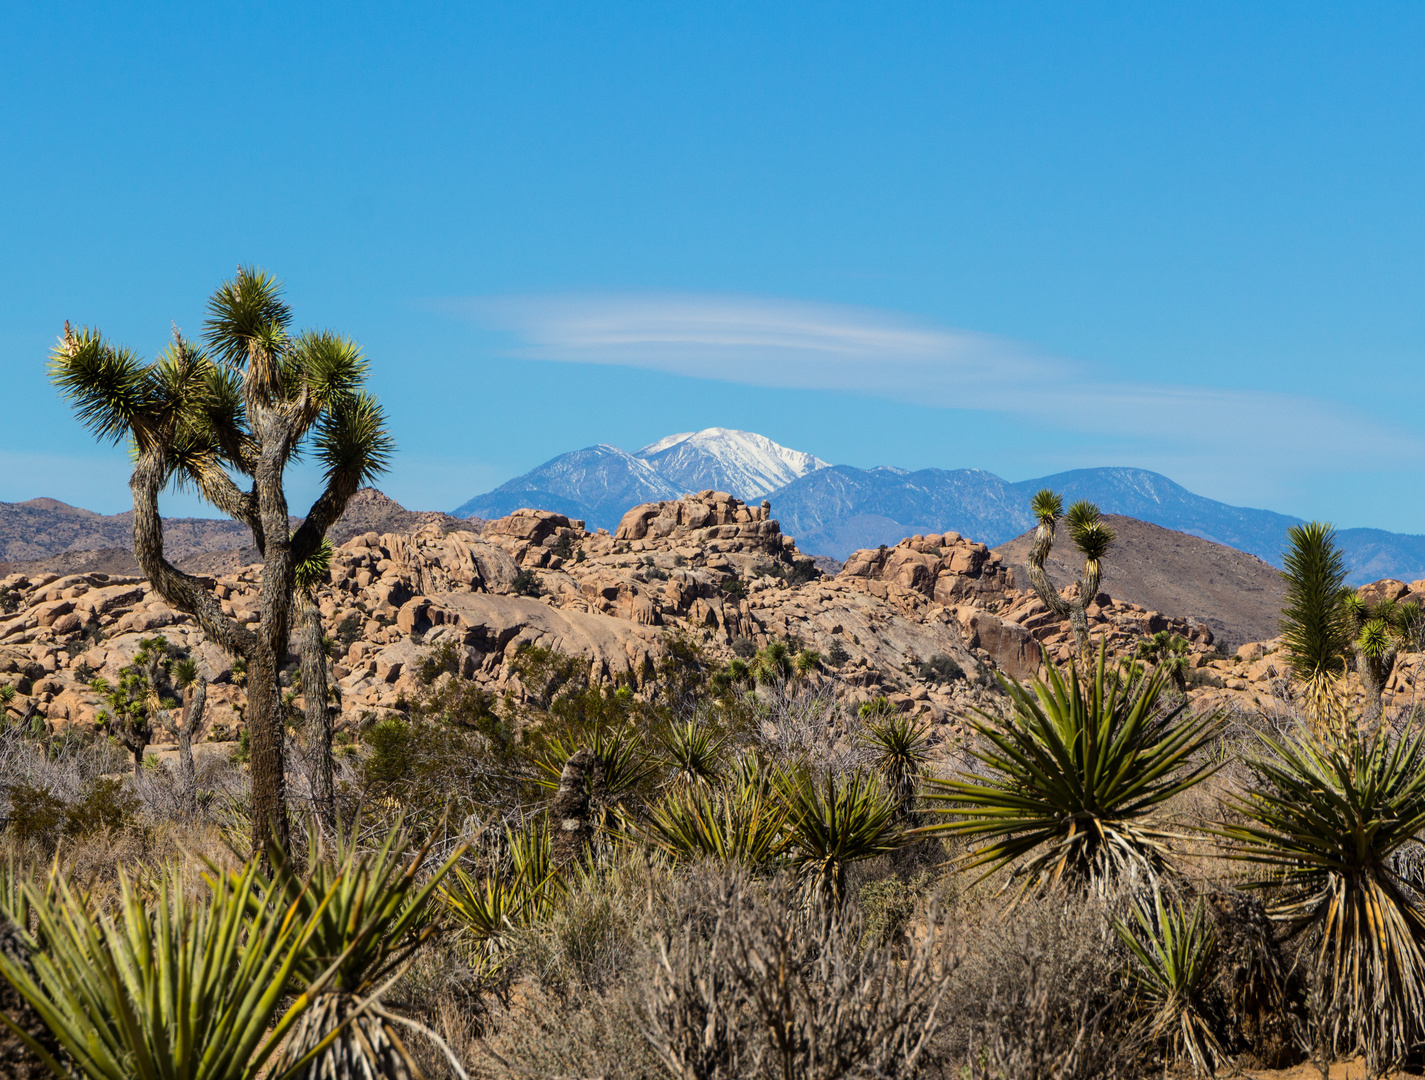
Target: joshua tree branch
<point x="183" y="591"/>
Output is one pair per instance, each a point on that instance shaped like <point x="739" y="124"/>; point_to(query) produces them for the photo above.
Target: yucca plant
<point x="1071" y="778"/>
<point x="900" y="747"/>
<point x="517" y="894"/>
<point x="741" y="821"/>
<point x="833" y="823"/>
<point x="1173" y="951"/>
<point x="170" y="985"/>
<point x="1167" y="652"/>
<point x="1323" y="818"/>
<point x="775" y="663"/>
<point x="625" y="770"/>
<point x="694" y="751"/>
<point x="376" y="913"/>
<point x="1315" y="625"/>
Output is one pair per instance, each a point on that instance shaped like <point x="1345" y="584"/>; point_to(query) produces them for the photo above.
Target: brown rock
<point x="46" y="614"/>
<point x="1011" y="648"/>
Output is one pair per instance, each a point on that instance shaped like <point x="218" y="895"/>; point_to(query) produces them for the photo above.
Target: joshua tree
<point x="187" y="727"/>
<point x="136" y="703"/>
<point x="1093" y="538"/>
<point x="310" y="574"/>
<point x="241" y="409"/>
<point x="1316" y="629"/>
<point x="1381" y="629"/>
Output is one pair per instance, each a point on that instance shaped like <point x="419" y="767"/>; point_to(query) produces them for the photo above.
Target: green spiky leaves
<point x="1090" y="534"/>
<point x="352" y="442"/>
<point x="315" y="569"/>
<point x="1047" y="506"/>
<point x="900" y="750"/>
<point x="1322" y="820"/>
<point x="111" y="389"/>
<point x="1069" y="781"/>
<point x="1316" y="624"/>
<point x="247" y="315"/>
<point x="191" y="408"/>
<point x="1173" y="950"/>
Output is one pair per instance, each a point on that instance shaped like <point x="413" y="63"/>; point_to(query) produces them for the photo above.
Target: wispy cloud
<point x="778" y="343"/>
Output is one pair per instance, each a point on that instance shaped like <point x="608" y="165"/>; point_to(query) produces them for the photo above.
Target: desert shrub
<point x="734" y="588"/>
<point x="939" y="669"/>
<point x="349" y="630"/>
<point x="106" y="805"/>
<point x="593" y="935"/>
<point x="837" y="654"/>
<point x="888" y="906"/>
<point x="564" y="546"/>
<point x="37" y="816"/>
<point x="1040" y="995"/>
<point x="443" y="658"/>
<point x="798" y="573"/>
<point x="526" y="583"/>
<point x="430" y="768"/>
<point x="773" y="991"/>
<point x="545" y="673"/>
<point x="743" y="647"/>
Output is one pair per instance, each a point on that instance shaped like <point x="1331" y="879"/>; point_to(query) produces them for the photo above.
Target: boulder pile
<point x="706" y="568"/>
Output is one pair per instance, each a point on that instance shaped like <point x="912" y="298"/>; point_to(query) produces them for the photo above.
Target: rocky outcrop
<point x="944" y="567"/>
<point x="706" y="568"/>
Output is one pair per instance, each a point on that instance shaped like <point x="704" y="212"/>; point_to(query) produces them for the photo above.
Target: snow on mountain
<point x="742" y="463"/>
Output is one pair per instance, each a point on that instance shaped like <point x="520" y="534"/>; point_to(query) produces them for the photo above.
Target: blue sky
<point x="1016" y="237"/>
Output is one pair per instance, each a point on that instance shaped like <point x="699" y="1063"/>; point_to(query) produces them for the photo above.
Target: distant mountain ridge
<point x="833" y="510"/>
<point x="599" y="483"/>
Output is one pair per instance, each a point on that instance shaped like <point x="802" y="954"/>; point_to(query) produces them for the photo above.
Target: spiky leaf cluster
<point x="1089" y="533"/>
<point x="191" y="406"/>
<point x="1070" y="779"/>
<point x="1316" y="627"/>
<point x="1323" y="819"/>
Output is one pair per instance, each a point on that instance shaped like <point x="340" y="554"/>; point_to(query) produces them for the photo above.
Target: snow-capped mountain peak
<point x="667" y="442"/>
<point x="743" y="463"/>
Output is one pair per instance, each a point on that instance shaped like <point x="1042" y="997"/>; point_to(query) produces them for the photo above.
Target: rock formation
<point x="706" y="567"/>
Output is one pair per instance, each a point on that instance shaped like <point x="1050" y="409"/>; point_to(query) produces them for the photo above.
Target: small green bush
<point x="41" y="818"/>
<point x="348" y="630"/>
<point x="939" y="669"/>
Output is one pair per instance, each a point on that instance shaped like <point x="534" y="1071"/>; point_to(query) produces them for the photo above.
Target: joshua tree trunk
<point x="188" y="593"/>
<point x="1375" y="673"/>
<point x="318" y="709"/>
<point x="571" y="808"/>
<point x="194" y="724"/>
